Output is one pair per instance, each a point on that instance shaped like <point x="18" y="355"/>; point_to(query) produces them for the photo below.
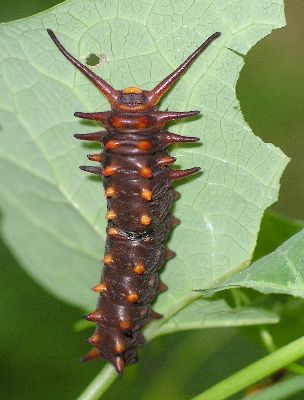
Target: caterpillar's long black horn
<point x="155" y="95"/>
<point x="110" y="93"/>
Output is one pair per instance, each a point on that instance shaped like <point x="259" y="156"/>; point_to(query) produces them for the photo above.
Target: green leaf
<point x="214" y="314"/>
<point x="54" y="214"/>
<point x="282" y="271"/>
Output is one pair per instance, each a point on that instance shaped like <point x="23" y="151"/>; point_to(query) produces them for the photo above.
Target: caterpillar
<point x="137" y="178"/>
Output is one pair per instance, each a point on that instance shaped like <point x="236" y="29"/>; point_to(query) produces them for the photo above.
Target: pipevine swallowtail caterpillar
<point x="137" y="178"/>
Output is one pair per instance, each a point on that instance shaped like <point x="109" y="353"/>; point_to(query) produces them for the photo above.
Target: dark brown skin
<point x="137" y="181"/>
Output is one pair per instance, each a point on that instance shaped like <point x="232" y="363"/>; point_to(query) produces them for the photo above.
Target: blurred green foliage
<point x="38" y="345"/>
<point x="17" y="9"/>
<point x="275" y="230"/>
<point x="271" y="93"/>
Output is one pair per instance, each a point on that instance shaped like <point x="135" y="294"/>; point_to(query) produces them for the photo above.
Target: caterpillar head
<point x="134" y="99"/>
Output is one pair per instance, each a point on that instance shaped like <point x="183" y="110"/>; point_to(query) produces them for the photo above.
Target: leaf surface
<point x="53" y="214"/>
<point x="214" y="314"/>
<point x="281" y="271"/>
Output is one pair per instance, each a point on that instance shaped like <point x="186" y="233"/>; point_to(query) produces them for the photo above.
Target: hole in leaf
<point x="94" y="59"/>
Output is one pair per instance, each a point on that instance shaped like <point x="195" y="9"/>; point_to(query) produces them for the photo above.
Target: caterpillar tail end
<point x="119" y="365"/>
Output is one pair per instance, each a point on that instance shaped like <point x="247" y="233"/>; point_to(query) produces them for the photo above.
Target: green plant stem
<point x="267" y="340"/>
<point x="239" y="297"/>
<point x="270" y="346"/>
<point x="255" y="372"/>
<point x="280" y="391"/>
<point x="100" y="384"/>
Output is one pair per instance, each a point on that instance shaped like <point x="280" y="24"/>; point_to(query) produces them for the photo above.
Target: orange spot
<point x="117" y="122"/>
<point x="110" y="191"/>
<point x="111" y="214"/>
<point x="139" y="269"/>
<point x="95" y="157"/>
<point x="119" y="347"/>
<point x="143" y="122"/>
<point x="109" y="170"/>
<point x="112" y="144"/>
<point x="146" y="194"/>
<point x="133" y="298"/>
<point x="144" y="145"/>
<point x="108" y="259"/>
<point x="125" y="325"/>
<point x="145" y="219"/>
<point x="146" y="172"/>
<point x="101" y="287"/>
<point x="132" y="90"/>
<point x="112" y="231"/>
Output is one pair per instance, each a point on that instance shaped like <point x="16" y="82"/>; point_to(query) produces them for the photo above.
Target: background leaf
<point x="282" y="271"/>
<point x="215" y="314"/>
<point x="60" y="209"/>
